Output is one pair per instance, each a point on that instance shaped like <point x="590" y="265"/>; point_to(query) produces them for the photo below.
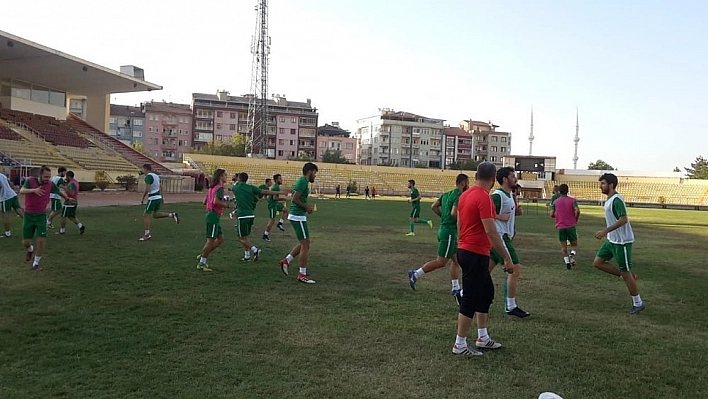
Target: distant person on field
<point x="366" y="190"/>
<point x="69" y="210"/>
<point x="619" y="241"/>
<point x="56" y="207"/>
<point x="338" y="192"/>
<point x="414" y="200"/>
<point x="477" y="236"/>
<point x="275" y="206"/>
<point x="566" y="212"/>
<point x="215" y="204"/>
<point x="9" y="201"/>
<point x="155" y="201"/>
<point x="373" y="192"/>
<point x="555" y="195"/>
<point x="446" y="208"/>
<point x="349" y="190"/>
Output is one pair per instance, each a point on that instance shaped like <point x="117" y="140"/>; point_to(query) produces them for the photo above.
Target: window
<point x="150" y="129"/>
<point x="232" y="126"/>
<point x="219" y="114"/>
<point x="232" y="115"/>
<point x="503" y="149"/>
<point x="495" y="138"/>
<point x="280" y="153"/>
<point x="323" y="144"/>
<point x="493" y="159"/>
<point x="137" y="133"/>
<point x="112" y="119"/>
<point x="349" y="146"/>
<point x="292" y="131"/>
<point x="281" y="142"/>
<point x="114" y="132"/>
<point x="293" y="120"/>
<point x="493" y="148"/>
<point x="292" y="142"/>
<point x="137" y="122"/>
<point x="503" y="139"/>
<point x="281" y="130"/>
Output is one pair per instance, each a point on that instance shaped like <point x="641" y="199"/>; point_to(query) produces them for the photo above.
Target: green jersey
<point x="271" y="201"/>
<point x="301" y="186"/>
<point x="415" y="194"/>
<point x="447" y="201"/>
<point x="555" y="197"/>
<point x="246" y="197"/>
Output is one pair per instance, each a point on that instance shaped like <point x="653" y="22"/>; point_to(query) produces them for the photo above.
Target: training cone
<point x="314" y="208"/>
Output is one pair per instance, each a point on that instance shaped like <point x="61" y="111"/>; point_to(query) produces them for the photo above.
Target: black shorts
<point x="477" y="283"/>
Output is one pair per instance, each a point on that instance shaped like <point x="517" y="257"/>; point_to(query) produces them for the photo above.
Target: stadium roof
<point x="25" y="60"/>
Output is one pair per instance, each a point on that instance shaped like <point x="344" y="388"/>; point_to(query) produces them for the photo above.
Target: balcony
<point x="169" y="122"/>
<point x="307" y="146"/>
<point x="168" y="146"/>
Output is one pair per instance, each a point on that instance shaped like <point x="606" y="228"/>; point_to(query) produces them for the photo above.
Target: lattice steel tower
<point x="576" y="139"/>
<point x="258" y="103"/>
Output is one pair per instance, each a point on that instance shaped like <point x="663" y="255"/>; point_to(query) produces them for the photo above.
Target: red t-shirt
<point x="474" y="205"/>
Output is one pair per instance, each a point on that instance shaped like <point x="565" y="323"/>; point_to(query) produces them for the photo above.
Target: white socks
<point x="482" y="334"/>
<point x="455" y="285"/>
<point x="636" y="300"/>
<point x="510" y="303"/>
<point x="147" y="232"/>
<point x="573" y="253"/>
<point x="280" y="221"/>
<point x="303" y="270"/>
<point x="254" y="249"/>
<point x="36" y="260"/>
<point x="289" y="258"/>
<point x="31" y="248"/>
<point x="247" y="254"/>
<point x="80" y="225"/>
<point x="419" y="272"/>
<point x="461" y="342"/>
<point x="8" y="234"/>
<point x="62" y="230"/>
<point x="202" y="261"/>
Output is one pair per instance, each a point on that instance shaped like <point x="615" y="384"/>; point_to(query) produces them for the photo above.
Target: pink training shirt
<point x="35" y="203"/>
<point x="210" y="205"/>
<point x="564" y="207"/>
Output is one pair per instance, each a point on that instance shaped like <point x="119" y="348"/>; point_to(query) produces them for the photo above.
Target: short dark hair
<point x="461" y="178"/>
<point x="61" y="169"/>
<point x="306" y="168"/>
<point x="610" y="178"/>
<point x="44" y="168"/>
<point x="147" y="166"/>
<point x="486" y="171"/>
<point x="563" y="188"/>
<point x="70" y="174"/>
<point x="411" y="181"/>
<point x="276" y="176"/>
<point x="243" y="177"/>
<point x="504" y="172"/>
<point x="268" y="179"/>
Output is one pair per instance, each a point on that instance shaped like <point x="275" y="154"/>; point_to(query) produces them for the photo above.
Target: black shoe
<point x="518" y="312"/>
<point x="82" y="229"/>
<point x="280" y="227"/>
<point x="568" y="266"/>
<point x="266" y="238"/>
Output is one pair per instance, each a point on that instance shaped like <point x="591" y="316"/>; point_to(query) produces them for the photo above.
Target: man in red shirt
<point x="477" y="236"/>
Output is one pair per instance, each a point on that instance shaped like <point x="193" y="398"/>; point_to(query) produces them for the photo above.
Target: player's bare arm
<point x="147" y="187"/>
<point x="436" y="207"/>
<point x="619" y="223"/>
<point x="491" y="229"/>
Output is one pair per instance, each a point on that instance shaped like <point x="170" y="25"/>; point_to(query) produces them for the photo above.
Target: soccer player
<point x="414" y="200"/>
<point x="36" y="192"/>
<point x="555" y="195"/>
<point x="8" y="202"/>
<point x="373" y="192"/>
<point x="349" y="190"/>
<point x="478" y="235"/>
<point x="266" y="186"/>
<point x="299" y="209"/>
<point x="505" y="219"/>
<point x="446" y="208"/>
<point x="566" y="212"/>
<point x="155" y="200"/>
<point x="275" y="205"/>
<point x="619" y="241"/>
<point x="338" y="192"/>
<point x="215" y="204"/>
<point x="69" y="211"/>
<point x="366" y="190"/>
<point x="246" y="196"/>
<point x="56" y="207"/>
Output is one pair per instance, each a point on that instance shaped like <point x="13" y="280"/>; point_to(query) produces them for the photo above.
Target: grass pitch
<point x="110" y="317"/>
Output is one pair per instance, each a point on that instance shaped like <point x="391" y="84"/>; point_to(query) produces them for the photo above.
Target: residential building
<point x="168" y="130"/>
<point x="127" y="124"/>
<point x="457" y="146"/>
<point x="291" y="130"/>
<point x="331" y="137"/>
<point x="489" y="144"/>
<point x="399" y="138"/>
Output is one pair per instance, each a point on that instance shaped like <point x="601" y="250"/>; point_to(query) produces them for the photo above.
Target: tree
<point x="464" y="164"/>
<point x="676" y="169"/>
<point x="333" y="156"/>
<point x="138" y="146"/>
<point x="600" y="165"/>
<point x="235" y="147"/>
<point x="698" y="169"/>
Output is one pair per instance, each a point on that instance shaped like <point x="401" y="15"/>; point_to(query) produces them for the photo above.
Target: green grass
<point x="110" y="317"/>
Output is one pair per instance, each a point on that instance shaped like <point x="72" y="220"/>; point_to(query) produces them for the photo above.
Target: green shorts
<point x="447" y="242"/>
<point x="300" y="229"/>
<point x="34" y="222"/>
<point x="153" y="206"/>
<point x="569" y="234"/>
<point x="274" y="209"/>
<point x="622" y="253"/>
<point x="415" y="212"/>
<point x="68" y="212"/>
<point x="8" y="205"/>
<point x="498" y="259"/>
<point x="244" y="226"/>
<point x="56" y="205"/>
<point x="213" y="230"/>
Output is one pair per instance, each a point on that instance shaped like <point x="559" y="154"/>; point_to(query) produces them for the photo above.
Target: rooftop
<point x="456" y="131"/>
<point x="126" y="110"/>
<point x="167" y="107"/>
<point x="332" y="130"/>
<point x="245" y="99"/>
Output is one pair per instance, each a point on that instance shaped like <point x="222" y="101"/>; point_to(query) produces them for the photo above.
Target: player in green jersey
<point x="275" y="206"/>
<point x="299" y="209"/>
<point x="446" y="208"/>
<point x="246" y="196"/>
<point x="415" y="208"/>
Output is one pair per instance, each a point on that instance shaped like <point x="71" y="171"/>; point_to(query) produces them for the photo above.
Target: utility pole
<point x="576" y="139"/>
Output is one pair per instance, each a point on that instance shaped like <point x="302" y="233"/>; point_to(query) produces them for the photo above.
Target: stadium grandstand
<point x="54" y="111"/>
<point x="638" y="188"/>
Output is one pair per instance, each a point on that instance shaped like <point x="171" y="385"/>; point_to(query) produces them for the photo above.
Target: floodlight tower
<point x="531" y="135"/>
<point x="258" y="102"/>
<point x="576" y="139"/>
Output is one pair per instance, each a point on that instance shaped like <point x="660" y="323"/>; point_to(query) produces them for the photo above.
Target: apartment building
<point x="291" y="130"/>
<point x="168" y="130"/>
<point x="457" y="146"/>
<point x="127" y="124"/>
<point x="399" y="138"/>
<point x="331" y="137"/>
<point x="488" y="143"/>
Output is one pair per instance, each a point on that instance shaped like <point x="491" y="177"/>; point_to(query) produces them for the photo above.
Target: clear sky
<point x="636" y="70"/>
